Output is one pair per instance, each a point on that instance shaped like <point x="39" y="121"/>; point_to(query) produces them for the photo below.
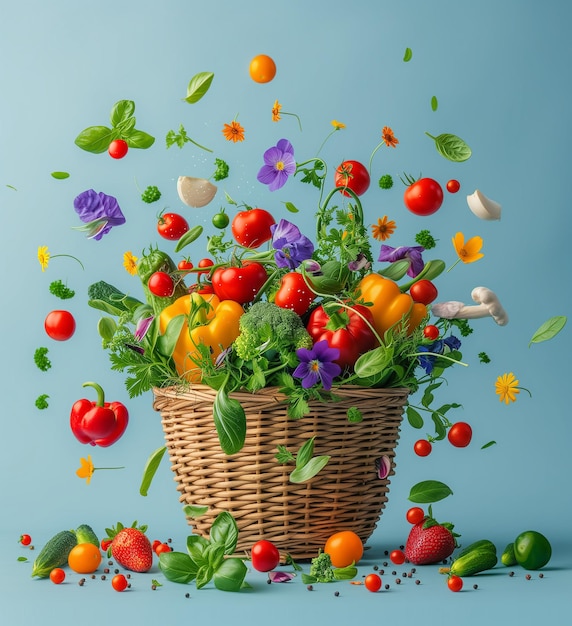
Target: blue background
<point x="500" y="71"/>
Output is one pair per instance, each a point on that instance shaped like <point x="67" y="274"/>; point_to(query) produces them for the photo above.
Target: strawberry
<point x="130" y="547"/>
<point x="430" y="542"/>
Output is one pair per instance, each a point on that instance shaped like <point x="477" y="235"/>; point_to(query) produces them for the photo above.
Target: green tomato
<point x="220" y="220"/>
<point x="532" y="550"/>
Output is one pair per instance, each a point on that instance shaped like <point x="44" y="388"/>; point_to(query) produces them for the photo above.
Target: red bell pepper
<point x="98" y="423"/>
<point x="344" y="329"/>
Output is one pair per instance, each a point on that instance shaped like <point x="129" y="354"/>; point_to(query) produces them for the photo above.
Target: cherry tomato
<point x="532" y="550"/>
<point x="344" y="548"/>
<point x="431" y="332"/>
<point x="119" y="582"/>
<point x="453" y="186"/>
<point x="455" y="583"/>
<point x="422" y="447"/>
<point x="353" y="175"/>
<point x="220" y="219"/>
<point x="84" y="558"/>
<point x="397" y="557"/>
<point x="118" y="148"/>
<point x="423" y="291"/>
<point x="205" y="263"/>
<point x="25" y="540"/>
<point x="415" y="515"/>
<point x="423" y="197"/>
<point x="161" y="284"/>
<point x="162" y="547"/>
<point x="264" y="555"/>
<point x="251" y="228"/>
<point x="105" y="543"/>
<point x="57" y="575"/>
<point x="460" y="434"/>
<point x="372" y="582"/>
<point x="240" y="283"/>
<point x="172" y="226"/>
<point x="294" y="293"/>
<point x="262" y="68"/>
<point x="184" y="265"/>
<point x="60" y="325"/>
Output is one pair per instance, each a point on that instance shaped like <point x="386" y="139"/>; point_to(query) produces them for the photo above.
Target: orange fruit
<point x="84" y="558"/>
<point x="262" y="69"/>
<point x="344" y="548"/>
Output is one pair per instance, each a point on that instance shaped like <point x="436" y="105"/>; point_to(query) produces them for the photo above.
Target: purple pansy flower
<point x="411" y="253"/>
<point x="99" y="212"/>
<point x="317" y="365"/>
<point x="292" y="247"/>
<point x="427" y="362"/>
<point x="279" y="163"/>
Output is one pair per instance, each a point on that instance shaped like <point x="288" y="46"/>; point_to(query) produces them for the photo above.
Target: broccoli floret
<point x="108" y="298"/>
<point x="151" y="194"/>
<point x="266" y="326"/>
<point x="58" y="289"/>
<point x="321" y="568"/>
<point x="425" y="238"/>
<point x="41" y="359"/>
<point x="221" y="171"/>
<point x="42" y="401"/>
<point x="386" y="181"/>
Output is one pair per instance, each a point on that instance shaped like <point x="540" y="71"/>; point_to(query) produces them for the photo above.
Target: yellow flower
<point x="130" y="263"/>
<point x="469" y="251"/>
<point x="338" y="125"/>
<point x="388" y="137"/>
<point x="276" y="111"/>
<point x="233" y="132"/>
<point x="86" y="470"/>
<point x="383" y="229"/>
<point x="507" y="388"/>
<point x="43" y="257"/>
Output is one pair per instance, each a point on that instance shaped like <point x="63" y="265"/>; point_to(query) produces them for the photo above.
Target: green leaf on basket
<point x="312" y="467"/>
<point x="230" y="422"/>
<point x="150" y="470"/>
<point x="549" y="329"/>
<point x="428" y="491"/>
<point x="305" y="453"/>
<point x="194" y="510"/>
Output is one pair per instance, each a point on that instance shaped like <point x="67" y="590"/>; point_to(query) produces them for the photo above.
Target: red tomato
<point x="161" y="284"/>
<point x="205" y="263"/>
<point x="294" y="293"/>
<point x="460" y="434"/>
<point x="431" y="332"/>
<point x="422" y="447"/>
<point x="423" y="197"/>
<point x="415" y="515"/>
<point x="119" y="582"/>
<point x="453" y="186"/>
<point x="240" y="283"/>
<point x="184" y="265"/>
<point x="372" y="582"/>
<point x="172" y="226"/>
<point x="423" y="291"/>
<point x="353" y="175"/>
<point x="25" y="540"/>
<point x="455" y="583"/>
<point x="264" y="555"/>
<point x="118" y="148"/>
<point x="60" y="325"/>
<point x="251" y="228"/>
<point x="397" y="557"/>
<point x="162" y="547"/>
<point x="57" y="575"/>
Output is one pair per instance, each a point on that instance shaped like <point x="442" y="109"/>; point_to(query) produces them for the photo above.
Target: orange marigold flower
<point x="233" y="132"/>
<point x="468" y="251"/>
<point x="388" y="137"/>
<point x="383" y="229"/>
<point x="276" y="111"/>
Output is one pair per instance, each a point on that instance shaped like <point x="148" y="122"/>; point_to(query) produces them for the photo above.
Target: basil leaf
<point x="126" y="126"/>
<point x="60" y="175"/>
<point x="95" y="139"/>
<point x="215" y="555"/>
<point x="414" y="418"/>
<point x="106" y="328"/>
<point x="230" y="575"/>
<point x="139" y="139"/>
<point x="549" y="329"/>
<point x="224" y="531"/>
<point x="451" y="147"/>
<point x="309" y="470"/>
<point x="374" y="361"/>
<point x="151" y="467"/>
<point x="166" y="343"/>
<point x="291" y="207"/>
<point x="408" y="54"/>
<point x="434" y="103"/>
<point x="204" y="575"/>
<point x="122" y="111"/>
<point x="305" y="453"/>
<point x="198" y="86"/>
<point x="177" y="567"/>
<point x="230" y="422"/>
<point x="194" y="510"/>
<point x="429" y="491"/>
<point x="345" y="573"/>
<point x="196" y="547"/>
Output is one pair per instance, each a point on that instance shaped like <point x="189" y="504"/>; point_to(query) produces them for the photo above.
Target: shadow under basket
<point x="347" y="494"/>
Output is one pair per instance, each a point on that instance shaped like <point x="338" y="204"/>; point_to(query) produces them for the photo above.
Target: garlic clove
<point x="484" y="207"/>
<point x="195" y="192"/>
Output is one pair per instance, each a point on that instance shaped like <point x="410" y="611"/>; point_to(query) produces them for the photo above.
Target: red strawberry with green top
<point x="130" y="547"/>
<point x="430" y="542"/>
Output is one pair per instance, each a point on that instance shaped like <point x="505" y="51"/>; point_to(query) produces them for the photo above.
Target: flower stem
<point x="373" y="154"/>
<point x="70" y="257"/>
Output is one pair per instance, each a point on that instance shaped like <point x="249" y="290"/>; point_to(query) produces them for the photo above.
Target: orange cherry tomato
<point x="344" y="548"/>
<point x="84" y="558"/>
<point x="262" y="69"/>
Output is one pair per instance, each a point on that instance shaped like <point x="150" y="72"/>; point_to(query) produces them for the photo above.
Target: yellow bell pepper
<point x="390" y="306"/>
<point x="209" y="321"/>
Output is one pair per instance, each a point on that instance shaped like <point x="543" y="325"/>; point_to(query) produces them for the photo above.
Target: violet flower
<point x="99" y="212"/>
<point x="142" y="327"/>
<point x="317" y="365"/>
<point x="411" y="253"/>
<point x="427" y="362"/>
<point x="279" y="163"/>
<point x="359" y="263"/>
<point x="292" y="248"/>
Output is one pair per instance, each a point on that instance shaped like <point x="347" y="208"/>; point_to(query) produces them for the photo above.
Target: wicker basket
<point x="298" y="518"/>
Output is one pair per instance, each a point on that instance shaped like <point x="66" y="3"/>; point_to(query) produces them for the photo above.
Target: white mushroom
<point x="484" y="207"/>
<point x="487" y="305"/>
<point x="195" y="192"/>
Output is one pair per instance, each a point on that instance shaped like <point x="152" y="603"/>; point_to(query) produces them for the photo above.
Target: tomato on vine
<point x="205" y="264"/>
<point x="185" y="265"/>
<point x="460" y="434"/>
<point x="422" y="447"/>
<point x="251" y="228"/>
<point x="354" y="176"/>
<point x="161" y="284"/>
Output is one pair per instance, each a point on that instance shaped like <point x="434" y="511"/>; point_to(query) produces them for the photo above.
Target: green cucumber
<point x="482" y="544"/>
<point x="473" y="562"/>
<point x="508" y="557"/>
<point x="85" y="534"/>
<point x="54" y="553"/>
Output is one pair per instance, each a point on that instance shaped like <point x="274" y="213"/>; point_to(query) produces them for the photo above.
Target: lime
<point x="532" y="550"/>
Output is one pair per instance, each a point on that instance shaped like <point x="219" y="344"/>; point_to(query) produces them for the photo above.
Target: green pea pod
<point x="191" y="235"/>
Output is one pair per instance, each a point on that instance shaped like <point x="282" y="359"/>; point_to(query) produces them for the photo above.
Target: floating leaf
<point x="194" y="510"/>
<point x="290" y="207"/>
<point x="198" y="86"/>
<point x="11" y="187"/>
<point x="488" y="445"/>
<point x="60" y="175"/>
<point x="434" y="103"/>
<point x="408" y="54"/>
<point x="451" y="147"/>
<point x="428" y="491"/>
<point x="151" y="466"/>
<point x="22" y="559"/>
<point x="549" y="329"/>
